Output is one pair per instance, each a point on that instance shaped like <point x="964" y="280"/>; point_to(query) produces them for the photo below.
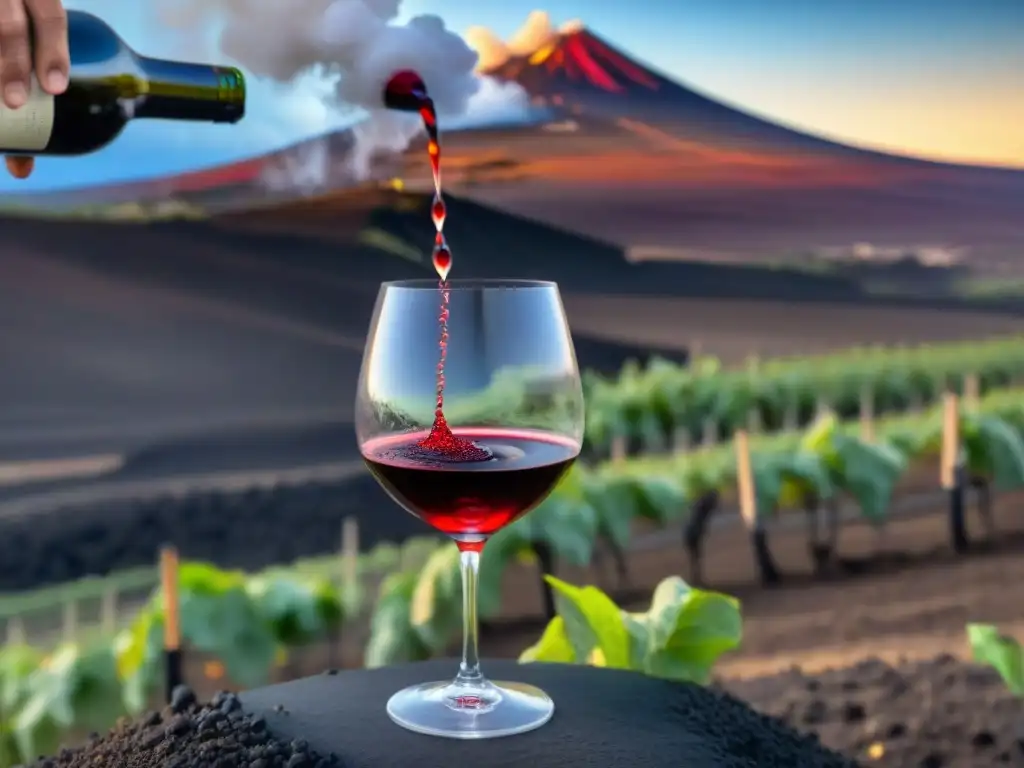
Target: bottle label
<point x="28" y="129"/>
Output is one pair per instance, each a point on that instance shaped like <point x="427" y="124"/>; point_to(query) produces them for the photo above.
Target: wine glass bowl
<point x="513" y="402"/>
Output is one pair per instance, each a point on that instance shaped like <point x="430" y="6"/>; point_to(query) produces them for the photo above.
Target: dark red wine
<point x="471" y="499"/>
<point x="406" y="91"/>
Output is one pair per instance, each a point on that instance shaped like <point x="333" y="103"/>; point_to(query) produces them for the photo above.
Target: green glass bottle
<point x="109" y="85"/>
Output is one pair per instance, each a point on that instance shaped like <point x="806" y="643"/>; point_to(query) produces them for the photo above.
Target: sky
<point x="941" y="79"/>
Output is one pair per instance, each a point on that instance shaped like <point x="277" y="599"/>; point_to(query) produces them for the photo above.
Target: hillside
<point x="133" y="335"/>
<point x="234" y="343"/>
<point x="489" y="243"/>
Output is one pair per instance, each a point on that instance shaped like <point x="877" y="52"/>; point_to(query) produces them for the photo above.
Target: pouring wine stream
<point x="406" y="91"/>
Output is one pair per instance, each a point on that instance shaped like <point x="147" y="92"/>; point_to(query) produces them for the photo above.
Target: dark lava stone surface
<point x="607" y="718"/>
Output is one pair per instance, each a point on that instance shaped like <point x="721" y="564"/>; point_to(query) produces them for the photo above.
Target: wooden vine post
<point x="951" y="474"/>
<point x="972" y="393"/>
<point x="747" y="492"/>
<point x="745" y="480"/>
<point x="172" y="621"/>
<point x="867" y="414"/>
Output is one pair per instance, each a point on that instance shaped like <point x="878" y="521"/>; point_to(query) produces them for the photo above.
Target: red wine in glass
<point x="470" y="500"/>
<point x="406" y="91"/>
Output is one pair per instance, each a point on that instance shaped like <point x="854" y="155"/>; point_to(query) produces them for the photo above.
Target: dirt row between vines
<point x="937" y="712"/>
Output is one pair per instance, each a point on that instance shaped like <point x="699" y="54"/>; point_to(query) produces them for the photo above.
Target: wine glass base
<point x="485" y="711"/>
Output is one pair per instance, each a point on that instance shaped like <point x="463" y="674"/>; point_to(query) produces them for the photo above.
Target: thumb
<point x="20" y="167"/>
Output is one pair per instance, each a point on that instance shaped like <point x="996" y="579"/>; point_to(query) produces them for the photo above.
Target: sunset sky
<point x="941" y="79"/>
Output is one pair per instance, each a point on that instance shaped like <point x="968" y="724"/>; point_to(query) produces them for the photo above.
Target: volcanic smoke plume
<point x="357" y="45"/>
<point x="355" y="40"/>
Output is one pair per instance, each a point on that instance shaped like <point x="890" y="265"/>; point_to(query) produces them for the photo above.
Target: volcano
<point x="577" y="72"/>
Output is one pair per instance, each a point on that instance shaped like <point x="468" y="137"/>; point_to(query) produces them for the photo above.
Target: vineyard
<point x="256" y="529"/>
<point x="645" y="408"/>
<point x="667" y="447"/>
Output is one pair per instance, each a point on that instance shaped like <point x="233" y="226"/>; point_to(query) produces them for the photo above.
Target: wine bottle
<point x="109" y="85"/>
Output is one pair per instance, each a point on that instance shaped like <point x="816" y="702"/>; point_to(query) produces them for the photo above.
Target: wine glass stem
<point x="469" y="670"/>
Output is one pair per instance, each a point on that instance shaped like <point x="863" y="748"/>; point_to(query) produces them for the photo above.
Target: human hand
<point x="47" y="23"/>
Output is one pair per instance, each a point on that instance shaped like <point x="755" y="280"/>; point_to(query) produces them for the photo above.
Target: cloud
<point x="496" y="101"/>
<point x="354" y="45"/>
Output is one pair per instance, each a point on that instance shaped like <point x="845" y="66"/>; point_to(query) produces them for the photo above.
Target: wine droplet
<point x="442" y="261"/>
<point x="438" y="213"/>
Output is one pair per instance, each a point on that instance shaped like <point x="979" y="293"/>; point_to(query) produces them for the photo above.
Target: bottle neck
<point x="175" y="90"/>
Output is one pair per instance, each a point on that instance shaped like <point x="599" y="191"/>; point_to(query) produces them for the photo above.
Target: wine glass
<point x="500" y="353"/>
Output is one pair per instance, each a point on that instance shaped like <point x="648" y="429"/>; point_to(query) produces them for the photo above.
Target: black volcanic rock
<point x="186" y="735"/>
